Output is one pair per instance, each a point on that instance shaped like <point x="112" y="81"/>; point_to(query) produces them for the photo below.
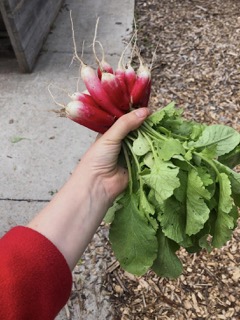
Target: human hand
<point x="101" y="160"/>
<point x="72" y="217"/>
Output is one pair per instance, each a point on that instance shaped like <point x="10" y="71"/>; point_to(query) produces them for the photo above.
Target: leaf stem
<point x="134" y="156"/>
<point x="124" y="146"/>
<point x="146" y="127"/>
<point x="150" y="143"/>
<point x="207" y="161"/>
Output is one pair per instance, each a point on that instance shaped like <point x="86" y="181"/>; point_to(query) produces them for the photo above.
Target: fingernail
<point x="142" y="112"/>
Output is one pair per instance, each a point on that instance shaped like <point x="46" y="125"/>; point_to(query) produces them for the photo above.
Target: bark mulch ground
<point x="197" y="65"/>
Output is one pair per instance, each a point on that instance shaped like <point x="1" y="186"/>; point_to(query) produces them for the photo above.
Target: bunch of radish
<point x="183" y="191"/>
<point x="109" y="93"/>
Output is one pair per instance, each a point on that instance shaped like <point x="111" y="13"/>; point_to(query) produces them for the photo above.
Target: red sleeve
<point x="35" y="280"/>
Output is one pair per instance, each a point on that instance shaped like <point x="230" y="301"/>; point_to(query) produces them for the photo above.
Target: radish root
<point x="121" y="60"/>
<point x="154" y="56"/>
<point x="74" y="42"/>
<point x="101" y="46"/>
<point x="94" y="43"/>
<point x="52" y="96"/>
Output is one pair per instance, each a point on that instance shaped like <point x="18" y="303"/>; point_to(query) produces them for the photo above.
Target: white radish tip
<point x="107" y="76"/>
<point x="75" y="95"/>
<point x="144" y="70"/>
<point x="72" y="108"/>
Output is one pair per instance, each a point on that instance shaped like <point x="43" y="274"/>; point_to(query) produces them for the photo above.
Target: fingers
<point x="127" y="123"/>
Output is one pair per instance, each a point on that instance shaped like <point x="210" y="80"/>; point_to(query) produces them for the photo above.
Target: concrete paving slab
<point x="36" y="165"/>
<point x="32" y="139"/>
<point x="17" y="213"/>
<point x="38" y="149"/>
<point x="115" y="25"/>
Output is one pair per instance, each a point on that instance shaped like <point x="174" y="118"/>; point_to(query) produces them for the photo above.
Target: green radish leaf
<point x="167" y="263"/>
<point x="110" y="215"/>
<point x="181" y="191"/>
<point x="204" y="243"/>
<point x="197" y="130"/>
<point x="188" y="155"/>
<point x="197" y="209"/>
<point x="205" y="176"/>
<point x="209" y="152"/>
<point x="133" y="240"/>
<point x="140" y="145"/>
<point x="173" y="220"/>
<point x="162" y="179"/>
<point x="233" y="176"/>
<point x="225" y="138"/>
<point x="157" y="116"/>
<point x="149" y="160"/>
<point x="232" y="159"/>
<point x="148" y="209"/>
<point x="144" y="204"/>
<point x="171" y="147"/>
<point x="225" y="222"/>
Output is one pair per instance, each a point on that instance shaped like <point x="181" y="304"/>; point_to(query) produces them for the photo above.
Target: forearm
<point x="72" y="217"/>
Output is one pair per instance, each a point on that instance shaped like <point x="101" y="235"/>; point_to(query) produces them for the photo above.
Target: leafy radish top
<point x="183" y="190"/>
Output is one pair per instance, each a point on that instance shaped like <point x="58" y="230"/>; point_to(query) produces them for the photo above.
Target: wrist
<point x="70" y="220"/>
<point x="93" y="186"/>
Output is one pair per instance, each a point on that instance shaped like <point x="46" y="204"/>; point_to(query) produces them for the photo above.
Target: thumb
<point x="126" y="123"/>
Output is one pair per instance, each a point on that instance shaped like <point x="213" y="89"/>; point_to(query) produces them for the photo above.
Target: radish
<point x="89" y="116"/>
<point x="130" y="77"/>
<point x="113" y="88"/>
<point x="103" y="65"/>
<point x="142" y="84"/>
<point x="93" y="83"/>
<point x="145" y="97"/>
<point x="84" y="97"/>
<point x="94" y="86"/>
<point x="109" y="94"/>
<point x="120" y="74"/>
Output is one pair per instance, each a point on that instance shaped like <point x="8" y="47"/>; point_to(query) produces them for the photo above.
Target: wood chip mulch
<point x="197" y="65"/>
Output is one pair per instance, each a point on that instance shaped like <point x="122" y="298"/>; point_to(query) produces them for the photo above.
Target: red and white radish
<point x="94" y="87"/>
<point x="84" y="97"/>
<point x="141" y="85"/>
<point x="113" y="88"/>
<point x="89" y="116"/>
<point x="130" y="78"/>
<point x="109" y="94"/>
<point x="103" y="65"/>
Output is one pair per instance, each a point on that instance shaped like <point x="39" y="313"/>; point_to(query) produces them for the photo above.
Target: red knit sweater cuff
<point x="35" y="280"/>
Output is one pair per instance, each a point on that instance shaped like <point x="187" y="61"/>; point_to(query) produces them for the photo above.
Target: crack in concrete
<point x="26" y="200"/>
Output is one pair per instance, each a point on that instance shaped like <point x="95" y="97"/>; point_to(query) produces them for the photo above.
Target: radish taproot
<point x="84" y="97"/>
<point x="104" y="67"/>
<point x="113" y="88"/>
<point x="130" y="77"/>
<point x="95" y="88"/>
<point x="89" y="116"/>
<point x="141" y="85"/>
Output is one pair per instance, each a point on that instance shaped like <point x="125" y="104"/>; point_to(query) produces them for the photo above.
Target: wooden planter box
<point x="28" y="23"/>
